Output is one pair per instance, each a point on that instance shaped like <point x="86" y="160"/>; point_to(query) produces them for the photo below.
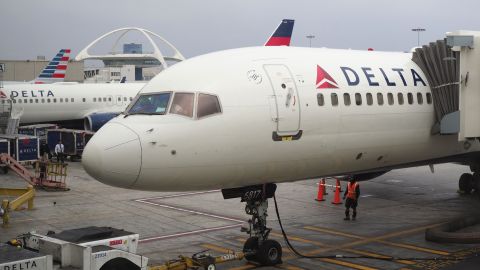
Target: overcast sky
<point x="40" y="27"/>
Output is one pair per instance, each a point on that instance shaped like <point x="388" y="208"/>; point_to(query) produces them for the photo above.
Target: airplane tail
<point x="56" y="69"/>
<point x="282" y="35"/>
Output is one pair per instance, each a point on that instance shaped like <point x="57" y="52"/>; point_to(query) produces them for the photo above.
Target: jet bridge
<point x="452" y="67"/>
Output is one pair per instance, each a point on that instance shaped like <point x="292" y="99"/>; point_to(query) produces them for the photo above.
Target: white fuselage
<point x="41" y="103"/>
<point x="268" y="93"/>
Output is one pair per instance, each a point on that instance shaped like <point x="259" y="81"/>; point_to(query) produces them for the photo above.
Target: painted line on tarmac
<point x="350" y="250"/>
<point x="148" y="201"/>
<point x="379" y="239"/>
<point x="163" y="237"/>
<point x="196" y="212"/>
<point x="178" y="195"/>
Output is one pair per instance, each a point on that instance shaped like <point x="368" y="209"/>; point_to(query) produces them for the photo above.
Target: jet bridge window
<point x="346" y="99"/>
<point x="182" y="104"/>
<point x="151" y="104"/>
<point x="207" y="105"/>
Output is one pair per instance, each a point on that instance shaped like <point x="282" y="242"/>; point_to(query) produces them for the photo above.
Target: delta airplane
<point x="241" y="120"/>
<point x="80" y="106"/>
<point x="53" y="72"/>
<point x="87" y="106"/>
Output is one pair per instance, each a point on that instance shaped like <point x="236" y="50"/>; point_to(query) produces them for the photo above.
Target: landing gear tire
<point x="250" y="248"/>
<point x="269" y="253"/>
<point x="210" y="267"/>
<point x="476" y="182"/>
<point x="465" y="183"/>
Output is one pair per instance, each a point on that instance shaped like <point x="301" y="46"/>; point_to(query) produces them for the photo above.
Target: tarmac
<point x="394" y="211"/>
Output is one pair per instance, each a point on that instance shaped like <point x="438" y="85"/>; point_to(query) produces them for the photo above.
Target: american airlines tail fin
<point x="282" y="35"/>
<point x="56" y="69"/>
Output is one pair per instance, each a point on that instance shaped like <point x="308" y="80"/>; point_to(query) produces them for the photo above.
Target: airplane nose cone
<point x="113" y="155"/>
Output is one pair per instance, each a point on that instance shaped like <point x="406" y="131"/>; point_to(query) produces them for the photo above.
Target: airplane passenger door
<point x="286" y="97"/>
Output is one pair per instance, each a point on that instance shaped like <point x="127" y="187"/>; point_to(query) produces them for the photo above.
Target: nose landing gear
<point x="258" y="248"/>
<point x="469" y="182"/>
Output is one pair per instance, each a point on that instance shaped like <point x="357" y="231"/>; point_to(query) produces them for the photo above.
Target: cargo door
<point x="286" y="97"/>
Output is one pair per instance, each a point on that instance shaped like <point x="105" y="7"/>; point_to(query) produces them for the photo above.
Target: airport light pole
<point x="310" y="37"/>
<point x="418" y="30"/>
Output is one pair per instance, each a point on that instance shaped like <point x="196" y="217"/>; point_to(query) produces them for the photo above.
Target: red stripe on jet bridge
<point x="61" y="67"/>
<point x="65" y="58"/>
<point x="278" y="41"/>
<point x="56" y="75"/>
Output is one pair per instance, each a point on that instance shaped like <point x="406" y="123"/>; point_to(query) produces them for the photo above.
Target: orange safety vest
<point x="352" y="190"/>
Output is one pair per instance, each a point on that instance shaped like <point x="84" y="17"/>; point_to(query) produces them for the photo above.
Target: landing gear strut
<point x="258" y="248"/>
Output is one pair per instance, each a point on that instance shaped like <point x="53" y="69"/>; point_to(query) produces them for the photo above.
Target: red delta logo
<point x="116" y="242"/>
<point x="324" y="80"/>
<point x="2" y="95"/>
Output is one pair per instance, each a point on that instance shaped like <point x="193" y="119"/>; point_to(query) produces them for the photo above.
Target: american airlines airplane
<point x="240" y="120"/>
<point x="54" y="71"/>
<point x="87" y="106"/>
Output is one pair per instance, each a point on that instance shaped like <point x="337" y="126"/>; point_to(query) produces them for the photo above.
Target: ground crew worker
<point x="351" y="193"/>
<point x="59" y="151"/>
<point x="43" y="167"/>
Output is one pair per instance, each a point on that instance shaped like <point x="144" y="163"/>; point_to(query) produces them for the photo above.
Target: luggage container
<point x="74" y="141"/>
<point x="39" y="130"/>
<point x="4" y="146"/>
<point x="23" y="148"/>
<point x="4" y="149"/>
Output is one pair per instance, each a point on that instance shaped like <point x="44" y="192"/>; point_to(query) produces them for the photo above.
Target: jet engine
<point x="95" y="121"/>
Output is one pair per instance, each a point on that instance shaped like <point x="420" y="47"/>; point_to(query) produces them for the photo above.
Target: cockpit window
<point x="207" y="105"/>
<point x="182" y="104"/>
<point x="151" y="104"/>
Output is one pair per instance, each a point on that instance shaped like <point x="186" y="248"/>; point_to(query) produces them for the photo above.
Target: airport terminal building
<point x="27" y="70"/>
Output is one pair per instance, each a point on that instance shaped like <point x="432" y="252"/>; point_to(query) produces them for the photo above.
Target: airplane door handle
<point x="289" y="97"/>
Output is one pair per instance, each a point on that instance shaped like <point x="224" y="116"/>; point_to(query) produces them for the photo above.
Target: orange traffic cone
<point x="336" y="198"/>
<point x="321" y="191"/>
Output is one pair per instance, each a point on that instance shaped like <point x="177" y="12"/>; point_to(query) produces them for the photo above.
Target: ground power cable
<point x="340" y="256"/>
